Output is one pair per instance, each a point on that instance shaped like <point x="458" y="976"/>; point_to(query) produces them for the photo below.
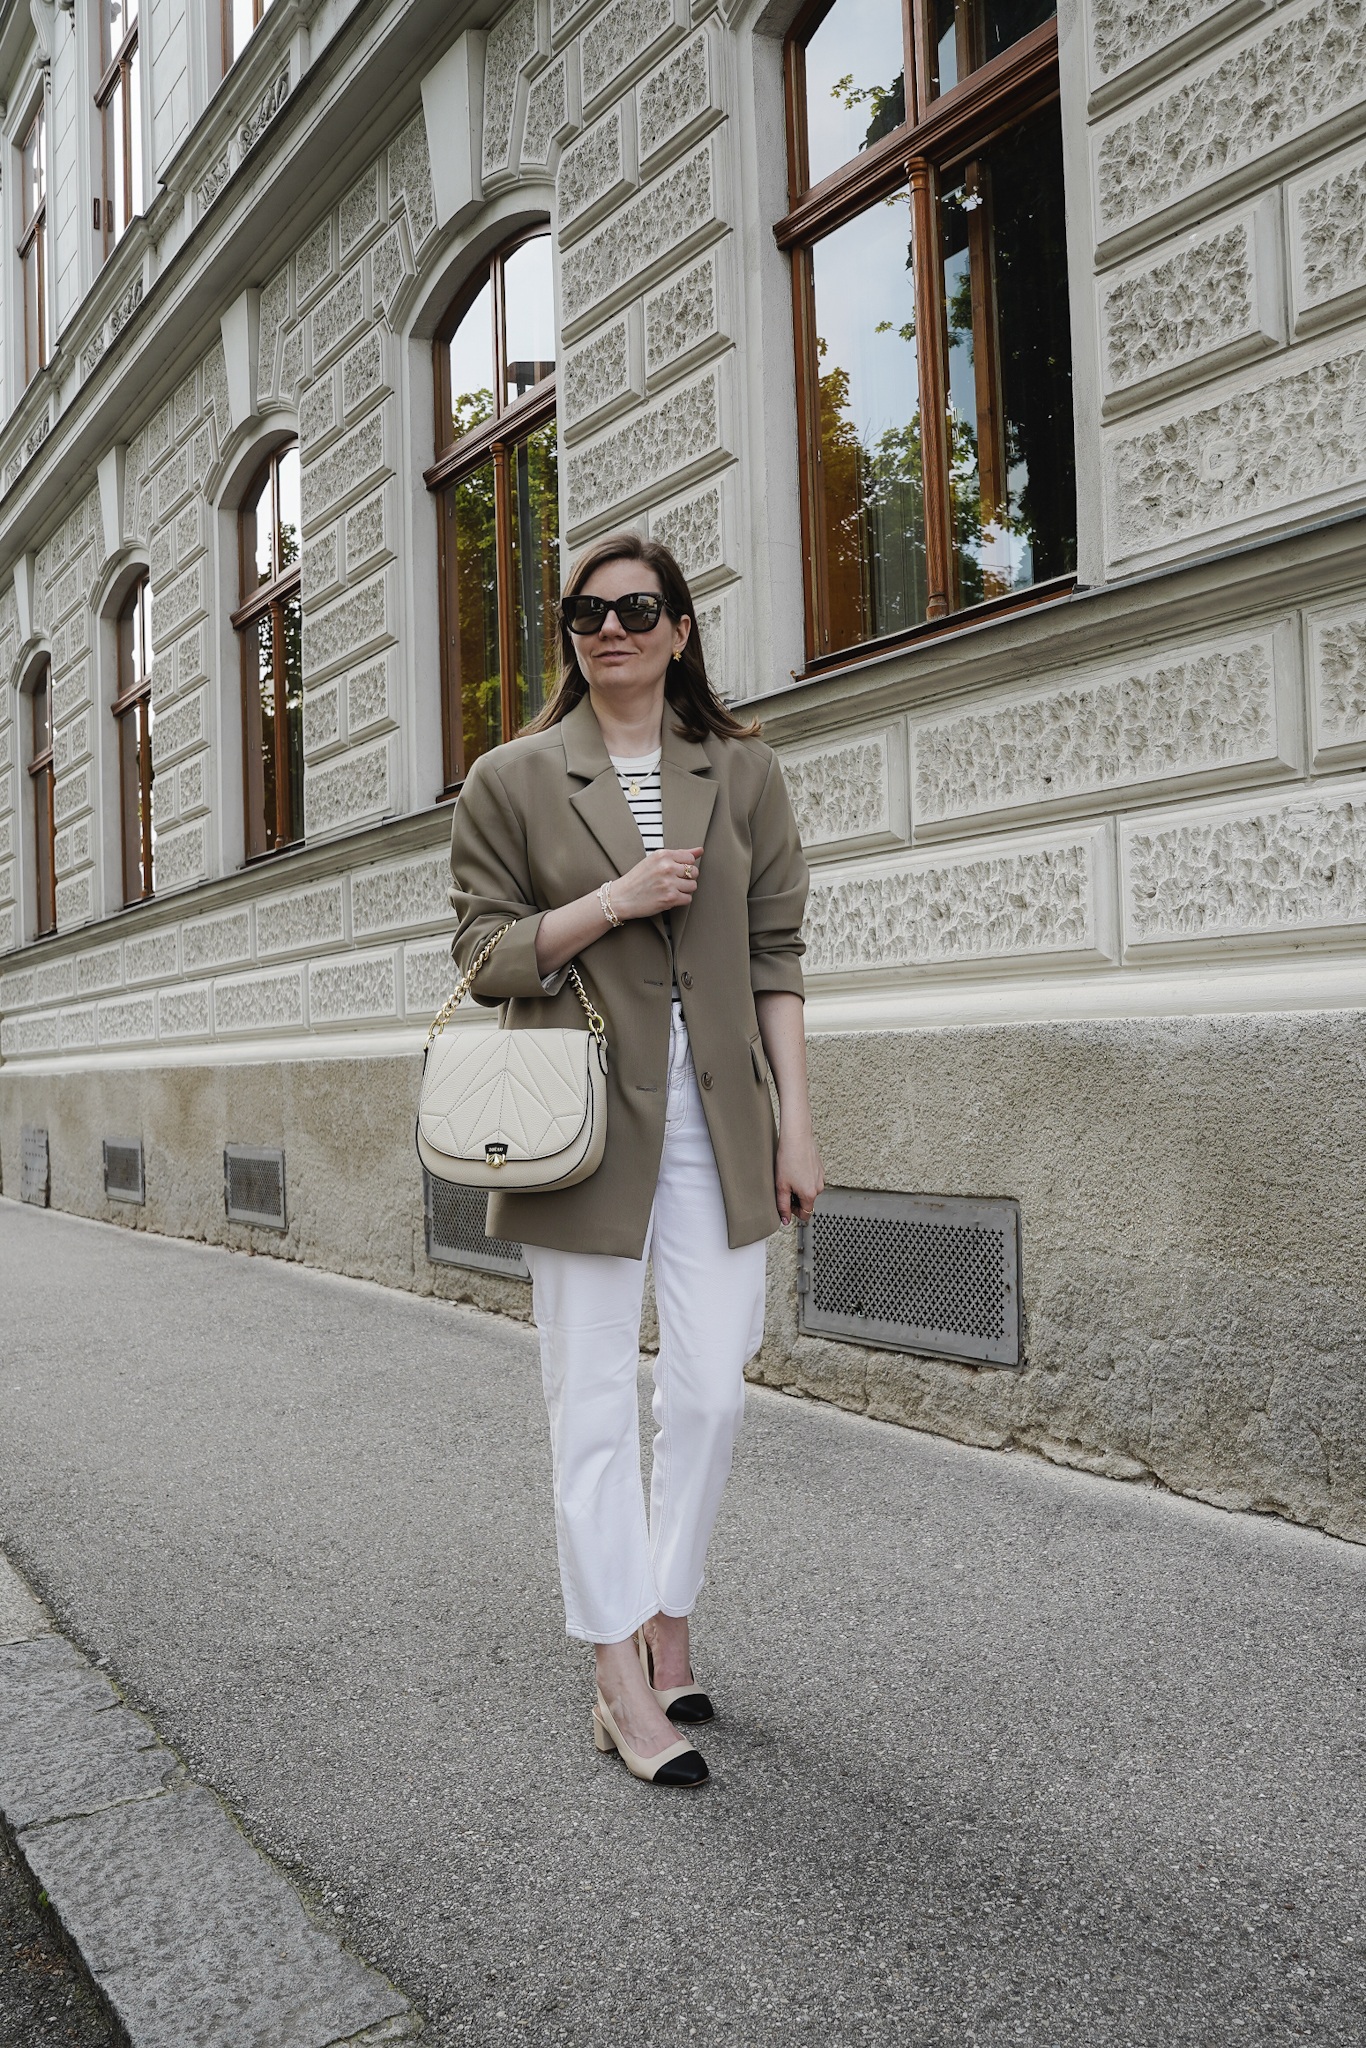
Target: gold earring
<point x="678" y="654"/>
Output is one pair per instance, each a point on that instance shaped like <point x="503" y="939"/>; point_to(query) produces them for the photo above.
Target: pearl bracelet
<point x="605" y="900"/>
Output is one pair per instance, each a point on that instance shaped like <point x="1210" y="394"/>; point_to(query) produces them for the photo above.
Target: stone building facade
<point x="1088" y="918"/>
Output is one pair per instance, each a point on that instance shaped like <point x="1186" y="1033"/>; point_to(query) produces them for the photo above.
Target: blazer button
<point x="686" y="979"/>
<point x="706" y="1080"/>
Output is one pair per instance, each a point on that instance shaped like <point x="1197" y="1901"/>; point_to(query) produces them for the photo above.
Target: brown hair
<point x="686" y="688"/>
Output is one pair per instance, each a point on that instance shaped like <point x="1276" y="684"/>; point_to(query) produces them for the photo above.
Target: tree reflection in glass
<point x="1010" y="365"/>
<point x="476" y="558"/>
<point x="535" y="490"/>
<point x="855" y="83"/>
<point x="870" y="491"/>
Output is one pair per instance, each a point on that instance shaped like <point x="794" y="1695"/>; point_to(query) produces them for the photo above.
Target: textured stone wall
<point x="368" y="945"/>
<point x="1238" y="108"/>
<point x="328" y="347"/>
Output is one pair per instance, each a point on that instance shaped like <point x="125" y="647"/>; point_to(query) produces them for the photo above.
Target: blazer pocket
<point x="756" y="1053"/>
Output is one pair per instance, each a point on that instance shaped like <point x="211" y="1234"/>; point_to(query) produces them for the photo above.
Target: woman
<point x="640" y="830"/>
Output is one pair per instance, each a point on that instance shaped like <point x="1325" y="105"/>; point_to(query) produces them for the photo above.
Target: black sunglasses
<point x="638" y="613"/>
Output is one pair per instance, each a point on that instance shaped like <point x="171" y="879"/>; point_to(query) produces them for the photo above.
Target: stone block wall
<point x="1227" y="193"/>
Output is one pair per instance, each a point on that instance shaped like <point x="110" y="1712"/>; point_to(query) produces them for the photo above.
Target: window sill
<point x="821" y="666"/>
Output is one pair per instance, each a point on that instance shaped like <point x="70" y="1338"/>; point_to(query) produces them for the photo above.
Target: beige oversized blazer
<point x="542" y="821"/>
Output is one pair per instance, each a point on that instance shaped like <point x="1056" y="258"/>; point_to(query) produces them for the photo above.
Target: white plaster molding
<point x="1030" y="901"/>
<point x="241" y="330"/>
<point x="1194" y="716"/>
<point x="1327" y="219"/>
<point x="850" y="794"/>
<point x="453" y="110"/>
<point x="1247" y="875"/>
<point x="1192" y="309"/>
<point x="1336" y="637"/>
<point x="111" y="472"/>
<point x="25" y="590"/>
<point x="1163" y="37"/>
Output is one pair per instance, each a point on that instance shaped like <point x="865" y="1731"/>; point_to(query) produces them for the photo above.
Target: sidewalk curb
<point x="191" y="1936"/>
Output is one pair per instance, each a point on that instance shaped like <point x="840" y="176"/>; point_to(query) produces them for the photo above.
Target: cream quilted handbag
<point x="513" y="1109"/>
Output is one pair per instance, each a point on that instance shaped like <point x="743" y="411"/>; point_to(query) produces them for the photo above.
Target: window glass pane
<point x="471" y="356"/>
<point x="42" y="814"/>
<point x="115" y="185"/>
<point x="257" y="518"/>
<point x="243" y="19"/>
<point x="134" y="138"/>
<point x="34" y="171"/>
<point x="142" y="653"/>
<point x="535" y="492"/>
<point x="113" y="29"/>
<point x="529" y="317"/>
<point x="264" y="631"/>
<point x="474" y="595"/>
<point x="33" y="311"/>
<point x="855" y="82"/>
<point x="288" y="511"/>
<point x="291" y="620"/>
<point x="42" y="714"/>
<point x="969" y="33"/>
<point x="1010" y="364"/>
<point x="870" y="499"/>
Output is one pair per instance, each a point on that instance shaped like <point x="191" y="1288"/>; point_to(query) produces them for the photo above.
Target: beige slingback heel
<point x="682" y="1703"/>
<point x="678" y="1765"/>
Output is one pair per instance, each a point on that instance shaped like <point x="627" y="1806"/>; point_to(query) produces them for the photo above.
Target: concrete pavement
<point x="1007" y="1753"/>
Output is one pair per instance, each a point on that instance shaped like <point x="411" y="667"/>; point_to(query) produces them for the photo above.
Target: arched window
<point x="44" y="824"/>
<point x="268" y="623"/>
<point x="133" y="716"/>
<point x="496" y="480"/>
<point x="930" y="282"/>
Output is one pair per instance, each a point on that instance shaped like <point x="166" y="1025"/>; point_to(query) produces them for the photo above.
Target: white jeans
<point x="614" y="1573"/>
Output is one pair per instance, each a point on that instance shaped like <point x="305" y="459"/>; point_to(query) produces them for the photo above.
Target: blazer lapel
<point x="689" y="796"/>
<point x="601" y="805"/>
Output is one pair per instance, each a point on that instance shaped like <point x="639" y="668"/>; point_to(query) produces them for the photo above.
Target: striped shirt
<point x="644" y="792"/>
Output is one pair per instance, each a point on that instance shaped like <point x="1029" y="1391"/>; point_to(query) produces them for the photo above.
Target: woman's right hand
<point x="659" y="882"/>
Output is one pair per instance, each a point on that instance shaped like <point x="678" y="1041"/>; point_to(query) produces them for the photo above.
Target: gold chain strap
<point x="596" y="1023"/>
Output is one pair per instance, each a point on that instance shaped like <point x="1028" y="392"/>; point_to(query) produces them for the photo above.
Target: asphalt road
<point x="1007" y="1754"/>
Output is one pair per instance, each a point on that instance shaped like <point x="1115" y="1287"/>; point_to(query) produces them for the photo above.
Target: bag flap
<point x="528" y="1090"/>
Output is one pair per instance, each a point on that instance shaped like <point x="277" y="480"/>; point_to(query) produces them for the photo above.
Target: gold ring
<point x="689" y="869"/>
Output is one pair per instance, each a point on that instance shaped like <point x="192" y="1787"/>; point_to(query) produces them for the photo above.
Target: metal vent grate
<point x="455" y="1230"/>
<point x="928" y="1273"/>
<point x="123" y="1177"/>
<point x="254" y="1186"/>
<point x="34" y="1178"/>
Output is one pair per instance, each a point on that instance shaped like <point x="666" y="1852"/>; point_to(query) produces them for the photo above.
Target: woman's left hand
<point x="798" y="1176"/>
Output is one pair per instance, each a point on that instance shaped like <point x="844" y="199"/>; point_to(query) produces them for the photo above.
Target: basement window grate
<point x="455" y="1230"/>
<point x="937" y="1274"/>
<point x="254" y="1186"/>
<point x="34" y="1177"/>
<point x="123" y="1174"/>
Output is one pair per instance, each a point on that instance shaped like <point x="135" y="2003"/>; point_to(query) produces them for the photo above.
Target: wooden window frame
<point x="270" y="599"/>
<point x="118" y="66"/>
<point x="40" y="770"/>
<point x="941" y="130"/>
<point x="33" y="242"/>
<point x="134" y="693"/>
<point x="493" y="439"/>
